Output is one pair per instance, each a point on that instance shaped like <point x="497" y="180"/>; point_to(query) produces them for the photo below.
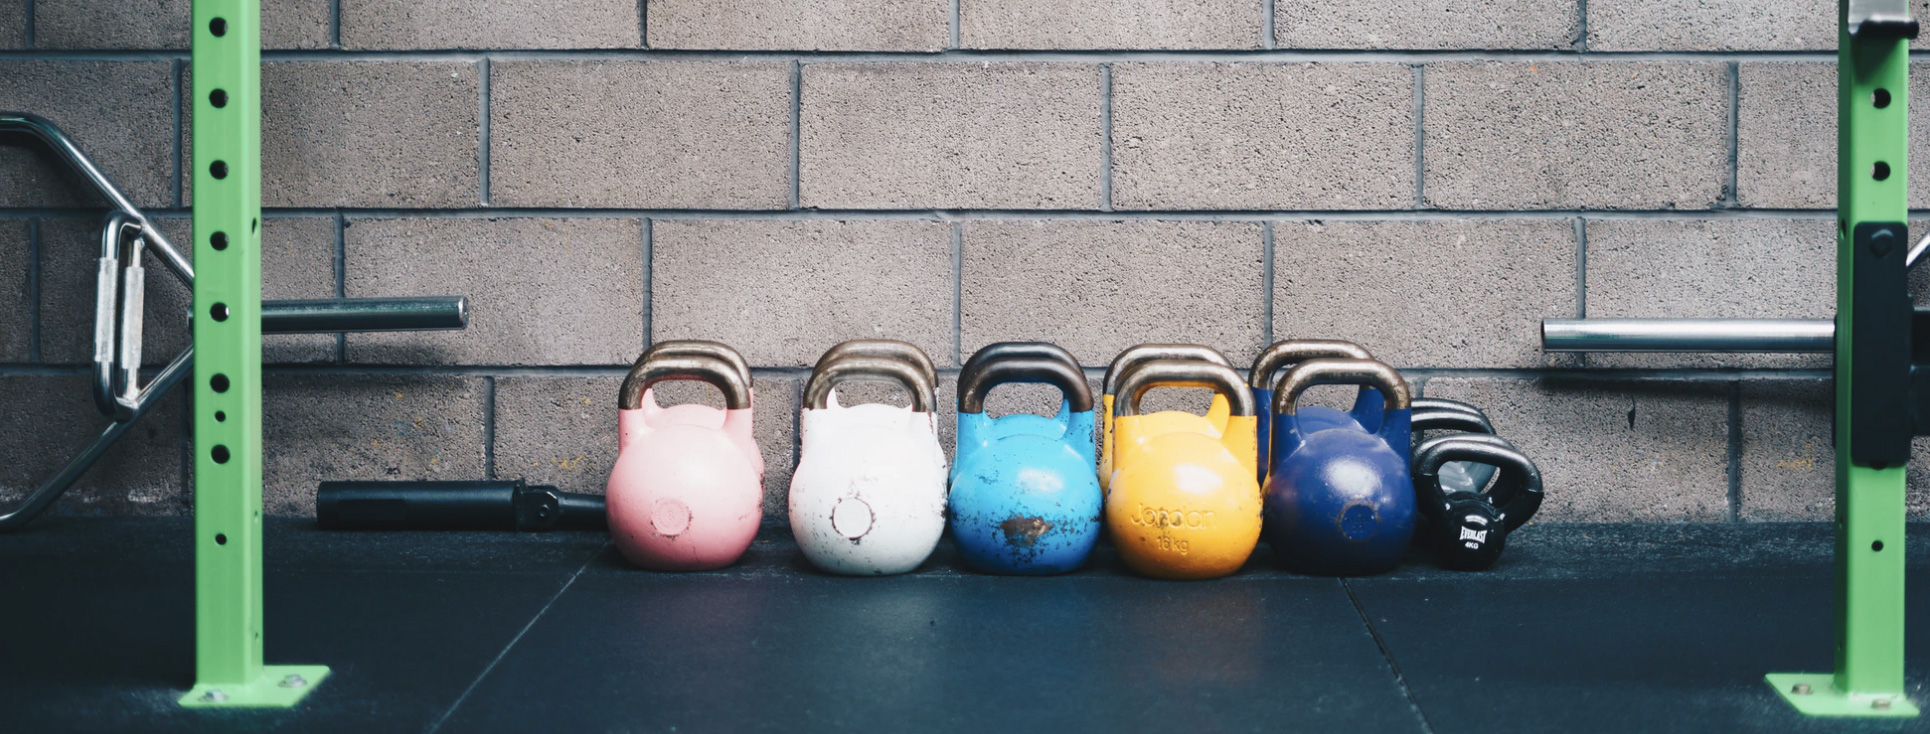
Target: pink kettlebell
<point x="687" y="491"/>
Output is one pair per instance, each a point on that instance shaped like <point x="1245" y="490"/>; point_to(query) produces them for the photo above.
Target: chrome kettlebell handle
<point x="1340" y="372"/>
<point x="1220" y="378"/>
<point x="1144" y="352"/>
<point x="881" y="348"/>
<point x="1517" y="493"/>
<point x="1011" y="350"/>
<point x="829" y="374"/>
<point x="719" y="373"/>
<point x="1294" y="351"/>
<point x="981" y="375"/>
<point x="702" y="347"/>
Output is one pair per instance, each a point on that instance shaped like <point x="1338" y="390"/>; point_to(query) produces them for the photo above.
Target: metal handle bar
<point x="1688" y="335"/>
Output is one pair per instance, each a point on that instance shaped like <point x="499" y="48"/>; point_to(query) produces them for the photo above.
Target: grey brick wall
<point x="1428" y="178"/>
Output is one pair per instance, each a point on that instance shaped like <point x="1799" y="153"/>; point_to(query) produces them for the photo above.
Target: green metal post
<point x="1873" y="88"/>
<point x="227" y="373"/>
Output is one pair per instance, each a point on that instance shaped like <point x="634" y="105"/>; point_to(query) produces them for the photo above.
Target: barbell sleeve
<point x="424" y="313"/>
<point x="1688" y="335"/>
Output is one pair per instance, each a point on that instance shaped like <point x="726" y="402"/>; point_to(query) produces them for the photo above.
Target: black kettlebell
<point x="1471" y="528"/>
<point x="1436" y="414"/>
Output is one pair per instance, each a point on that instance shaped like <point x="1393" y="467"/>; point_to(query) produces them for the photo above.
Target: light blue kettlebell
<point x="1025" y="495"/>
<point x="1340" y="499"/>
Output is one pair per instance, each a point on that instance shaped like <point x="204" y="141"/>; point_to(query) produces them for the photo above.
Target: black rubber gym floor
<point x="1582" y="628"/>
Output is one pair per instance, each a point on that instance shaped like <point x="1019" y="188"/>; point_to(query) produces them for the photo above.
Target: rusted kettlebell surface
<point x="687" y="489"/>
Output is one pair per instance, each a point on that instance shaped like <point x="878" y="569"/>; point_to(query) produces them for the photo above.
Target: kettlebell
<point x="1025" y="494"/>
<point x="687" y="490"/>
<point x="1184" y="503"/>
<point x="1367" y="403"/>
<point x="1109" y="387"/>
<point x="1340" y="499"/>
<point x="1436" y="414"/>
<point x="868" y="496"/>
<point x="1471" y="528"/>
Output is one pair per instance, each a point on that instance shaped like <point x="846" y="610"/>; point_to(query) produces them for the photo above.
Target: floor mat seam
<point x="1400" y="681"/>
<point x="440" y="720"/>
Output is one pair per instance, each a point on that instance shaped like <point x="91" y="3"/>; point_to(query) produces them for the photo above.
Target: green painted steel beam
<point x="1873" y="102"/>
<point x="227" y="372"/>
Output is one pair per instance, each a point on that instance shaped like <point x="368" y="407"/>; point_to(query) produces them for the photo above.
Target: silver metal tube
<point x="424" y="313"/>
<point x="1688" y="335"/>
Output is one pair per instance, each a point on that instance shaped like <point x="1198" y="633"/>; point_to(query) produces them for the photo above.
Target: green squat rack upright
<point x="1882" y="373"/>
<point x="228" y="669"/>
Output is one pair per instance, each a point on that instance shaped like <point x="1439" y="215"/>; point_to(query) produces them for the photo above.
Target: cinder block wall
<point x="1427" y="178"/>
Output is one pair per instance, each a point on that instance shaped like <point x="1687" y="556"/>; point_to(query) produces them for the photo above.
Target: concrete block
<point x="1097" y="288"/>
<point x="368" y="134"/>
<point x="1786" y="135"/>
<point x="1727" y="268"/>
<point x="562" y="431"/>
<point x="1613" y="451"/>
<point x="1439" y="25"/>
<point x="323" y="427"/>
<point x="541" y="291"/>
<point x="16" y="299"/>
<point x="13" y="23"/>
<point x="1110" y="24"/>
<point x="656" y="134"/>
<point x="298" y="261"/>
<point x="1263" y="136"/>
<point x="163" y="24"/>
<point x="120" y="113"/>
<point x="955" y="136"/>
<point x="494" y="24"/>
<point x="783" y="292"/>
<point x="45" y="421"/>
<point x="1437" y="293"/>
<point x="806" y="25"/>
<point x="1788" y="456"/>
<point x="1711" y="25"/>
<point x="1576" y="135"/>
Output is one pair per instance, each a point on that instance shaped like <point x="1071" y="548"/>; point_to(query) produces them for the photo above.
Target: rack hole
<point x="220" y="454"/>
<point x="1876" y="546"/>
<point x="218" y="98"/>
<point x="1880" y="98"/>
<point x="1881" y="171"/>
<point x="220" y="416"/>
<point x="218" y="26"/>
<point x="220" y="539"/>
<point x="219" y="383"/>
<point x="219" y="241"/>
<point x="254" y="225"/>
<point x="219" y="312"/>
<point x="219" y="169"/>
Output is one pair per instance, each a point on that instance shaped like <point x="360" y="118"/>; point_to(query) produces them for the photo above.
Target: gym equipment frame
<point x="1882" y="348"/>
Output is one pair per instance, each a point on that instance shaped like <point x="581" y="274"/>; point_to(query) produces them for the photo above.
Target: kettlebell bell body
<point x="686" y="492"/>
<point x="1025" y="494"/>
<point x="1340" y="499"/>
<point x="1216" y="412"/>
<point x="1367" y="402"/>
<point x="868" y="496"/>
<point x="1471" y="528"/>
<point x="1184" y="503"/>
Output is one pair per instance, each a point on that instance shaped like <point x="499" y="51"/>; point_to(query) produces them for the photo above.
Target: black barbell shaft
<point x="421" y="313"/>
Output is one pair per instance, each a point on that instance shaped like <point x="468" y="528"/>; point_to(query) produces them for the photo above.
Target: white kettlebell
<point x="868" y="496"/>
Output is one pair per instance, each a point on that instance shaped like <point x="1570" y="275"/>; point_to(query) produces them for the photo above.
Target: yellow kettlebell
<point x="1215" y="413"/>
<point x="1184" y="501"/>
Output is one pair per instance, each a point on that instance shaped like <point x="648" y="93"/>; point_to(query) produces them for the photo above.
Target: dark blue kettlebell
<point x="1284" y="354"/>
<point x="1471" y="528"/>
<point x="1025" y="495"/>
<point x="1340" y="499"/>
